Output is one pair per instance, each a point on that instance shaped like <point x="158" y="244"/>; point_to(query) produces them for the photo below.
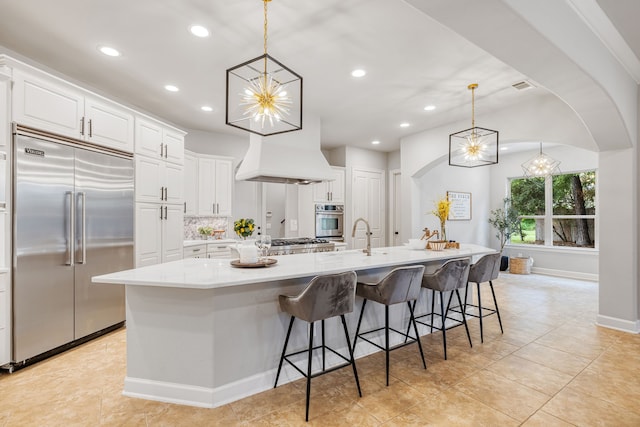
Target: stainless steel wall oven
<point x="330" y="221"/>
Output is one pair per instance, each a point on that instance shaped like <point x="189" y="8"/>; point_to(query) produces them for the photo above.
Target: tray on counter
<point x="261" y="263"/>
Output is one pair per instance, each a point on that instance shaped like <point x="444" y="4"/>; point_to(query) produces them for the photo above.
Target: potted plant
<point x="506" y="222"/>
<point x="243" y="227"/>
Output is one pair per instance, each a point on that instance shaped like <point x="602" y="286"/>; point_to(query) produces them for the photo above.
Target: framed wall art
<point x="460" y="208"/>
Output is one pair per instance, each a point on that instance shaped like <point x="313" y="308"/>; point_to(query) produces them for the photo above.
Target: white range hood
<point x="288" y="158"/>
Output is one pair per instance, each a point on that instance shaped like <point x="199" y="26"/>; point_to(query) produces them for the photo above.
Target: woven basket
<point x="519" y="265"/>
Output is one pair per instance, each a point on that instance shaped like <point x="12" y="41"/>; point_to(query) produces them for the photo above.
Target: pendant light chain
<point x="473" y="106"/>
<point x="265" y="26"/>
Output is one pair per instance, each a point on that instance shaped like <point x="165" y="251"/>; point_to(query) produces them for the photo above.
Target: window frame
<point x="549" y="217"/>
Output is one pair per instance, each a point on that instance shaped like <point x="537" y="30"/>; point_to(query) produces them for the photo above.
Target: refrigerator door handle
<point x="83" y="228"/>
<point x="72" y="225"/>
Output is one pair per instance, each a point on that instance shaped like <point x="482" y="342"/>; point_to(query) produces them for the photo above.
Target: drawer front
<point x="199" y="251"/>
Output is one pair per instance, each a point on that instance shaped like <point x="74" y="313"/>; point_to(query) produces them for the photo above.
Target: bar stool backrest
<point x="326" y="296"/>
<point x="451" y="275"/>
<point x="401" y="284"/>
<point x="486" y="269"/>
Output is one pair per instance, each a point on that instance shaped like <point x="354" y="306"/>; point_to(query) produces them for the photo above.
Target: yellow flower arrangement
<point x="442" y="212"/>
<point x="243" y="227"/>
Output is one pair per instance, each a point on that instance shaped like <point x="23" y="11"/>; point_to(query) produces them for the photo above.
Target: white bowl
<point x="417" y="244"/>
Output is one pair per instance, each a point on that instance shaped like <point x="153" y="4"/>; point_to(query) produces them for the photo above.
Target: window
<point x="558" y="211"/>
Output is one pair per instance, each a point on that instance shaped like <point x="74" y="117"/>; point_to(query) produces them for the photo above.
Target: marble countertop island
<point x="203" y="333"/>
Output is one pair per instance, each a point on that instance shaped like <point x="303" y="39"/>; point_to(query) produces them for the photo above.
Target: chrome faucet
<point x="353" y="234"/>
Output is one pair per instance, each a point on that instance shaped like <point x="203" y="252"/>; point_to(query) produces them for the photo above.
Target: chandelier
<point x="264" y="96"/>
<point x="475" y="146"/>
<point x="541" y="166"/>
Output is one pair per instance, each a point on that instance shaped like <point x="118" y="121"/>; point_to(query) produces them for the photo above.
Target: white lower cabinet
<point x="159" y="233"/>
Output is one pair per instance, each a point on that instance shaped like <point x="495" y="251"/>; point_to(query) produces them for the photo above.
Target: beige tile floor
<point x="552" y="367"/>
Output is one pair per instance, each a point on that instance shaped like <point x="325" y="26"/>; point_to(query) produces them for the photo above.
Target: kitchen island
<point x="202" y="333"/>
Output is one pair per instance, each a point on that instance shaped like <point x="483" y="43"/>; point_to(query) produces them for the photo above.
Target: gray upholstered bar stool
<point x="400" y="285"/>
<point x="486" y="269"/>
<point x="324" y="297"/>
<point x="449" y="277"/>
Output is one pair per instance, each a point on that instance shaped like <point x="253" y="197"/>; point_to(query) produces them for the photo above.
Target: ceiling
<point x="411" y="60"/>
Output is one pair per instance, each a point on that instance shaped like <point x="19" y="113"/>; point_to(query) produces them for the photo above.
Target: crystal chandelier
<point x="475" y="146"/>
<point x="263" y="95"/>
<point x="541" y="166"/>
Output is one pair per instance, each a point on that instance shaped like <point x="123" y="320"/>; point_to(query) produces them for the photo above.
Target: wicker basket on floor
<point x="519" y="265"/>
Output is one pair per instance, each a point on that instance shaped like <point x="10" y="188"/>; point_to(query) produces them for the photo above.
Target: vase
<point x="443" y="231"/>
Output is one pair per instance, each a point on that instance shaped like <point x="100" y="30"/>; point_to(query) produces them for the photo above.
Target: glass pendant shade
<point x="264" y="97"/>
<point x="475" y="146"/>
<point x="541" y="166"/>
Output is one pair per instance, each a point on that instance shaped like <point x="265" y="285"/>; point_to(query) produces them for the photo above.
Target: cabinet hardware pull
<point x="165" y="212"/>
<point x="161" y="193"/>
<point x="72" y="225"/>
<point x="161" y="149"/>
<point x="166" y="197"/>
<point x="90" y="128"/>
<point x="213" y="208"/>
<point x="83" y="196"/>
<point x="166" y="150"/>
<point x="185" y="207"/>
<point x="160" y="212"/>
<point x="82" y="126"/>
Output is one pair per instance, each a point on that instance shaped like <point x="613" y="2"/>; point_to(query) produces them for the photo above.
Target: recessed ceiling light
<point x="503" y="148"/>
<point x="206" y="108"/>
<point x="109" y="51"/>
<point x="199" y="31"/>
<point x="171" y="88"/>
<point x="429" y="108"/>
<point x="405" y="125"/>
<point x="376" y="142"/>
<point x="358" y="73"/>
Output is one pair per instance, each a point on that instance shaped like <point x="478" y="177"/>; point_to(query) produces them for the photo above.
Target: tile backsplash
<point x="192" y="223"/>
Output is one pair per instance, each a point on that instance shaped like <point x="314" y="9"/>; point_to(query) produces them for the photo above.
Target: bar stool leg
<point x="442" y="317"/>
<point x="355" y="339"/>
<point x="309" y="370"/>
<point x="284" y="349"/>
<point x="323" y="346"/>
<point x="480" y="313"/>
<point x="433" y="307"/>
<point x="496" y="304"/>
<point x="464" y="318"/>
<point x="353" y="361"/>
<point x="466" y="290"/>
<point x="386" y="338"/>
<point x="415" y="328"/>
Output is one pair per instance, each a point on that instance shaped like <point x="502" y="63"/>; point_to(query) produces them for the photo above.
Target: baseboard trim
<point x="206" y="397"/>
<point x="567" y="274"/>
<point x="618" y="324"/>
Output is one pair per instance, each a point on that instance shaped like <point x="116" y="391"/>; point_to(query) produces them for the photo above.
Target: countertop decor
<point x="442" y="212"/>
<point x="243" y="227"/>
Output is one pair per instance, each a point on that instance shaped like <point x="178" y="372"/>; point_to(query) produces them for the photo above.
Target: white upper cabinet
<point x="330" y="191"/>
<point x="157" y="141"/>
<point x="190" y="184"/>
<point x="158" y="181"/>
<point x="214" y="186"/>
<point x="48" y="103"/>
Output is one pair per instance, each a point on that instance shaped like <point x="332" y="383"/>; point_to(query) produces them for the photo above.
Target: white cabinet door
<point x="206" y="186"/>
<point x="321" y="192"/>
<point x="368" y="202"/>
<point x="149" y="179"/>
<point x="172" y="233"/>
<point x="148" y="234"/>
<point x="190" y="184"/>
<point x="173" y="147"/>
<point x="108" y="124"/>
<point x="174" y="184"/>
<point x="336" y="187"/>
<point x="5" y="310"/>
<point x="148" y="136"/>
<point x="330" y="191"/>
<point x="224" y="186"/>
<point x="47" y="104"/>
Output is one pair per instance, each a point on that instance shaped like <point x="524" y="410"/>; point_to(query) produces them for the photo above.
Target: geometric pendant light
<point x="541" y="166"/>
<point x="475" y="146"/>
<point x="263" y="95"/>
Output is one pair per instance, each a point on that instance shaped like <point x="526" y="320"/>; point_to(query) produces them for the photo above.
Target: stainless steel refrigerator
<point x="73" y="208"/>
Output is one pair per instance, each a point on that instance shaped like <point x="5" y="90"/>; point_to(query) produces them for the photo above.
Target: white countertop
<point x="218" y="273"/>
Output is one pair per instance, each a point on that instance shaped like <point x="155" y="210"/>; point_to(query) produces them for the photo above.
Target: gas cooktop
<point x="298" y="241"/>
<point x="300" y="245"/>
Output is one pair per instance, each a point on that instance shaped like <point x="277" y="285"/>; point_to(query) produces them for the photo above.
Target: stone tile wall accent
<point x="192" y="223"/>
